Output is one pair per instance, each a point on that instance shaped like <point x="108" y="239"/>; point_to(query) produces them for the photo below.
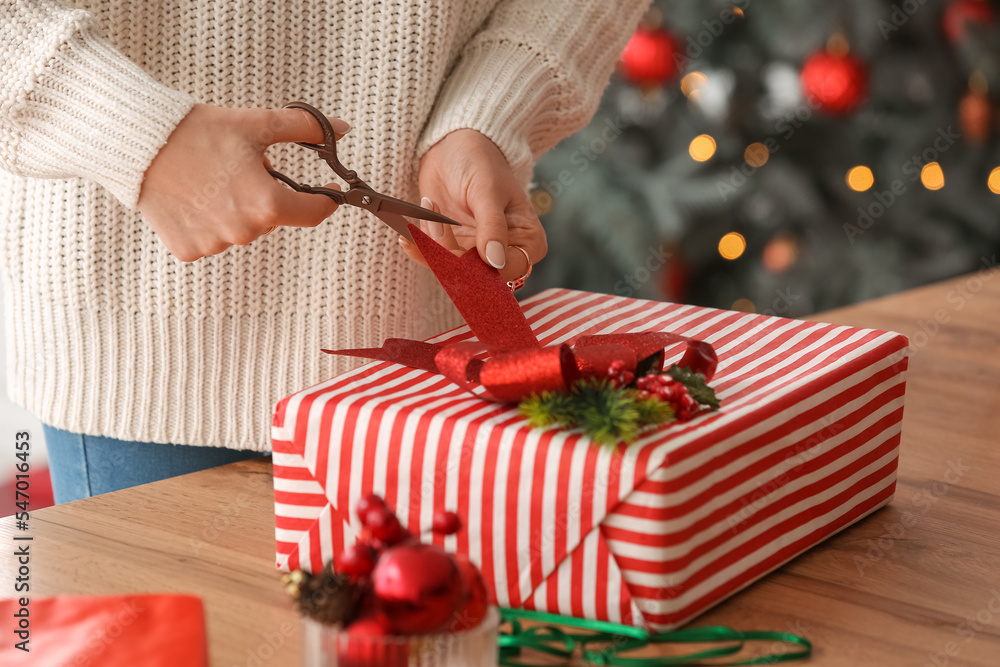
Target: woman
<point x="163" y="292"/>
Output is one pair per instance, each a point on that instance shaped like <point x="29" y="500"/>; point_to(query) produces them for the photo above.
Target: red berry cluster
<point x="668" y="390"/>
<point x="409" y="587"/>
<point x="618" y="376"/>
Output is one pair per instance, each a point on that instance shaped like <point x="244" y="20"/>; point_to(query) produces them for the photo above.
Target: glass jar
<point x="331" y="646"/>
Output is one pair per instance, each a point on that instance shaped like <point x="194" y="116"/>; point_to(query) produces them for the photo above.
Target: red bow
<point x="519" y="365"/>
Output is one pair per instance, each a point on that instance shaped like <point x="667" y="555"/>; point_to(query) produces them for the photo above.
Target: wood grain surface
<point x="917" y="583"/>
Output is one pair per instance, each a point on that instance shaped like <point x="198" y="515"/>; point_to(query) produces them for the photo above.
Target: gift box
<point x="652" y="533"/>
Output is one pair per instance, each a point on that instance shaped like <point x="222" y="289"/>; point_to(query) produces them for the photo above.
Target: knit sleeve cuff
<point x="93" y="113"/>
<point x="509" y="90"/>
<point x="533" y="75"/>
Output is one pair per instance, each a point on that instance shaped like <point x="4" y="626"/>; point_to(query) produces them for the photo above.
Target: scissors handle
<point x="328" y="149"/>
<point x="336" y="195"/>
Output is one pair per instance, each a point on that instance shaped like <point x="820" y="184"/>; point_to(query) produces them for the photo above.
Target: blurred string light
<point x="838" y="45"/>
<point x="737" y="12"/>
<point x="860" y="178"/>
<point x="756" y="154"/>
<point x="542" y="201"/>
<point x="932" y="176"/>
<point x="702" y="147"/>
<point x="780" y="253"/>
<point x="732" y="245"/>
<point x="994" y="181"/>
<point x="692" y="82"/>
<point x="744" y="306"/>
<point x="712" y="96"/>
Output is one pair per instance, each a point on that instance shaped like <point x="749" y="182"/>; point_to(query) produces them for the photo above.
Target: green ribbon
<point x="603" y="642"/>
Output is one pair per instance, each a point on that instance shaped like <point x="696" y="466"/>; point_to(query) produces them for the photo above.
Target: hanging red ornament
<point x="975" y="111"/>
<point x="836" y="83"/>
<point x="650" y="57"/>
<point x="675" y="275"/>
<point x="974" y="115"/>
<point x="959" y="12"/>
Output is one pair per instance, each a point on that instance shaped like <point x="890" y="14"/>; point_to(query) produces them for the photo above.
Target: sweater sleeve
<point x="71" y="105"/>
<point x="533" y="75"/>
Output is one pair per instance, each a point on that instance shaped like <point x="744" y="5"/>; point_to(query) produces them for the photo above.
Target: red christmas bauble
<point x="363" y="644"/>
<point x="958" y="12"/>
<point x="649" y="58"/>
<point x="836" y="84"/>
<point x="477" y="600"/>
<point x="417" y="587"/>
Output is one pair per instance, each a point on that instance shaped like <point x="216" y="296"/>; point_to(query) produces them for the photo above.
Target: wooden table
<point x="917" y="583"/>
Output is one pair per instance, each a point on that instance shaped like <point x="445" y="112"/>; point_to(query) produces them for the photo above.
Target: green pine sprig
<point x="605" y="413"/>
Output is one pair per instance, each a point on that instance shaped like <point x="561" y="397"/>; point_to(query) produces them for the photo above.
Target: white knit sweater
<point x="109" y="334"/>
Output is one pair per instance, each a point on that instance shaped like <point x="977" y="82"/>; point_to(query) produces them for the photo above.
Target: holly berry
<point x="446" y="523"/>
<point x="618" y="375"/>
<point x="418" y="588"/>
<point x="385" y="528"/>
<point x="357" y="561"/>
<point x="368" y="503"/>
<point x="668" y="390"/>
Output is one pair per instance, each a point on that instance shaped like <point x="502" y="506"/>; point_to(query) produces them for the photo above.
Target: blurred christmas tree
<point x="785" y="157"/>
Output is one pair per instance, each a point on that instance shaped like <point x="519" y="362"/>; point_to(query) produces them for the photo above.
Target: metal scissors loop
<point x="387" y="209"/>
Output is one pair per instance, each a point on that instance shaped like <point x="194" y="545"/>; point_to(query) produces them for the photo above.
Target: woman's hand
<point x="466" y="177"/>
<point x="208" y="187"/>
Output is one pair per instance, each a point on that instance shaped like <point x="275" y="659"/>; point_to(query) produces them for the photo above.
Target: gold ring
<point x="518" y="283"/>
<point x="269" y="230"/>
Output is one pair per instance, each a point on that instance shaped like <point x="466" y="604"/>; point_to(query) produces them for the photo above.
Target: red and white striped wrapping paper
<point x="806" y="443"/>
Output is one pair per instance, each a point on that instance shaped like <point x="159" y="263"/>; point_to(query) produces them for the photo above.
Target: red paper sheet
<point x="106" y="631"/>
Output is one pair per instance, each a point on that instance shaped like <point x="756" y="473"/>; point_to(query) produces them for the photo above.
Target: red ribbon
<point x="519" y="365"/>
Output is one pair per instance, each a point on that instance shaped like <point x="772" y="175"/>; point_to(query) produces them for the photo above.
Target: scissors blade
<point x="397" y="222"/>
<point x="400" y="207"/>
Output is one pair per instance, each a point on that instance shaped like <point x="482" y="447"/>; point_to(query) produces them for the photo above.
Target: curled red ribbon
<point x="519" y="365"/>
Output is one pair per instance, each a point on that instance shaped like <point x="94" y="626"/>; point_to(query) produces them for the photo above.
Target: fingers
<point x="528" y="233"/>
<point x="491" y="229"/>
<point x="441" y="233"/>
<point x="503" y="227"/>
<point x="287" y="125"/>
<point x="411" y="251"/>
<point x="297" y="209"/>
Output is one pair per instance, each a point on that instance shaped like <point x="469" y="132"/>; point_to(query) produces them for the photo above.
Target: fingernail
<point x="340" y="126"/>
<point x="435" y="229"/>
<point x="495" y="254"/>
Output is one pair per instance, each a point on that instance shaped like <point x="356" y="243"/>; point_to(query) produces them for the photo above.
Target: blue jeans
<point x="88" y="465"/>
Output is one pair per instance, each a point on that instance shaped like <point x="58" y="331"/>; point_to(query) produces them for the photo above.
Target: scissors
<point x="387" y="209"/>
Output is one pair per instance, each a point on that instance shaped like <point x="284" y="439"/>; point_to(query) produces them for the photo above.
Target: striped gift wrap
<point x="654" y="533"/>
